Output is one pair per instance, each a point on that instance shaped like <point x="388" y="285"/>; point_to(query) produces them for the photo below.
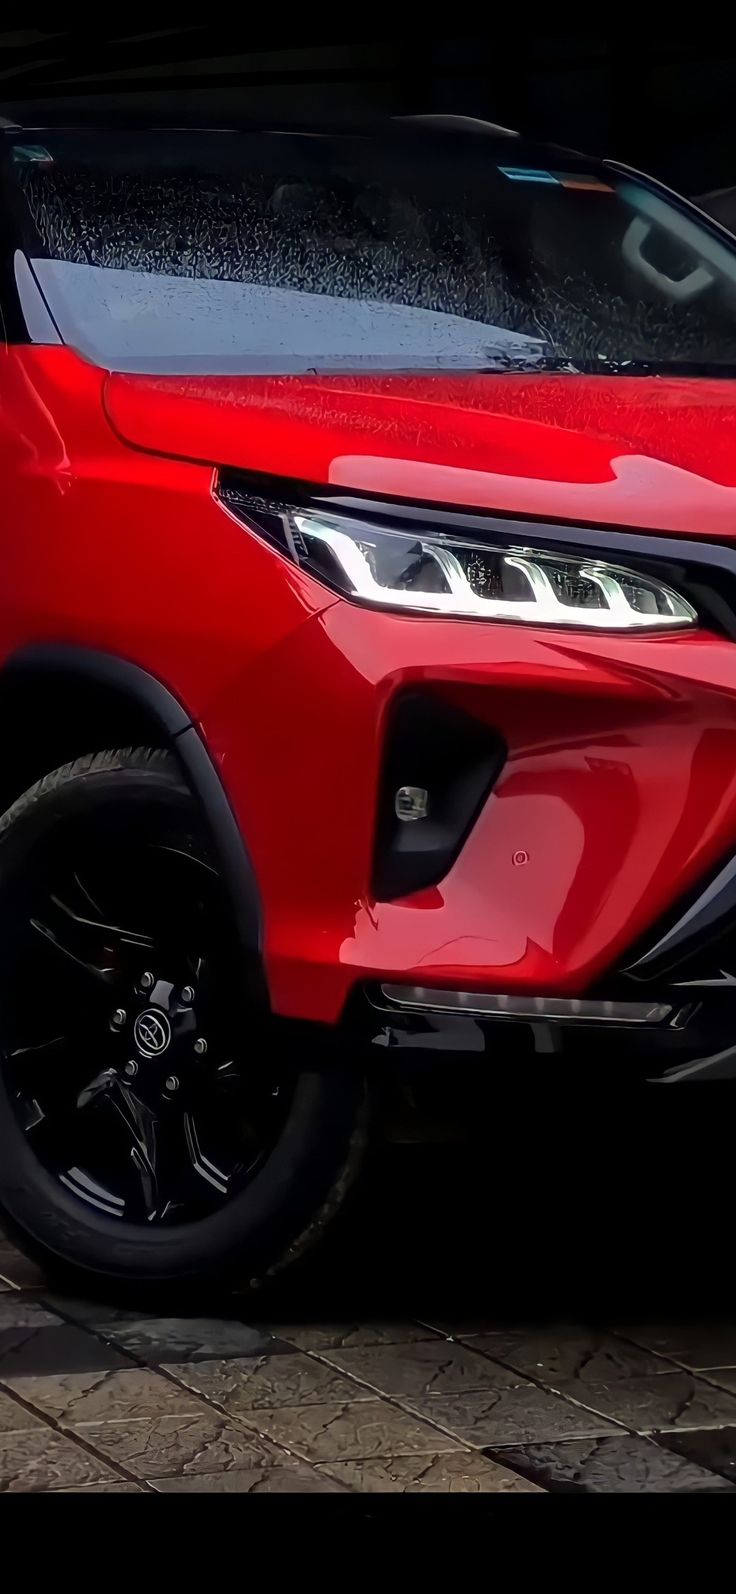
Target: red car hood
<point x="632" y="451"/>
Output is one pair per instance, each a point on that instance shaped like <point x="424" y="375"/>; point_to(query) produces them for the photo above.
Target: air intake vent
<point x="439" y="766"/>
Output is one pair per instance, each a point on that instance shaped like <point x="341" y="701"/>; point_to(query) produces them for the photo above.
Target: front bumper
<point x="617" y="797"/>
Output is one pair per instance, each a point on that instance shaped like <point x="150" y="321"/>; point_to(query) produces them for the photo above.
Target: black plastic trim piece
<point x="237" y="868"/>
<point x="456" y="758"/>
<point x="134" y="683"/>
<point x="106" y="670"/>
<point x="709" y="916"/>
<point x="718" y="1066"/>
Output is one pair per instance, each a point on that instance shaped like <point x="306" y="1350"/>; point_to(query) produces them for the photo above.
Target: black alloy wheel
<point x="146" y="1091"/>
<point x="126" y="1054"/>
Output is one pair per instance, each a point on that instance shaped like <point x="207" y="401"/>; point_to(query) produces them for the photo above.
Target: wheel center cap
<point x="152" y="1033"/>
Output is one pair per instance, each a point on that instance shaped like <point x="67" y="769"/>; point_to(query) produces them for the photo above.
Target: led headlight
<point x="447" y="574"/>
<point x="423" y="571"/>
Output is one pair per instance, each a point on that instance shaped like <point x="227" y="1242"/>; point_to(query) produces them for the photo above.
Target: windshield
<point x="283" y="252"/>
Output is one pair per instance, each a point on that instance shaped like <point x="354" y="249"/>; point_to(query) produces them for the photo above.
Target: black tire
<point x="302" y="1176"/>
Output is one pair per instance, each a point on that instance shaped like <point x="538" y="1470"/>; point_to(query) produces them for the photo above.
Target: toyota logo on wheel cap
<point x="152" y="1033"/>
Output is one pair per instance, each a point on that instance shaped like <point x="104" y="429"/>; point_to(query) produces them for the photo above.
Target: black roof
<point x="449" y="132"/>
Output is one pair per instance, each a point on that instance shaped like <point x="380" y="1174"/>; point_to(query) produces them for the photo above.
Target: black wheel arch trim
<point x="691" y="929"/>
<point x="146" y="691"/>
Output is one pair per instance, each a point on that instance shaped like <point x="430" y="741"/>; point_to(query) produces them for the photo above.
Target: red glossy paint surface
<point x="628" y="451"/>
<point x="620" y="788"/>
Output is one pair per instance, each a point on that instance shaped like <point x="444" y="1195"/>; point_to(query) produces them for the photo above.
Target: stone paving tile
<point x="464" y="1473"/>
<point x="627" y="1464"/>
<point x="100" y="1488"/>
<point x="334" y="1336"/>
<point x="176" y="1339"/>
<point x="469" y="1327"/>
<point x="696" y="1345"/>
<point x="174" y="1446"/>
<point x="95" y="1314"/>
<point x="14" y="1418"/>
<point x="74" y="1399"/>
<point x="349" y="1431"/>
<point x="19" y="1271"/>
<point x="41" y="1460"/>
<point x="714" y="1448"/>
<point x="40" y="1351"/>
<point x="565" y="1351"/>
<point x="670" y="1400"/>
<point x="18" y="1312"/>
<point x="725" y="1377"/>
<point x="437" y="1367"/>
<point x="509" y="1416"/>
<point x="296" y="1479"/>
<point x="295" y="1422"/>
<point x="250" y="1383"/>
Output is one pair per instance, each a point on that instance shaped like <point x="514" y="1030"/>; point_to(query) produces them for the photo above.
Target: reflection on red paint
<point x="619" y="790"/>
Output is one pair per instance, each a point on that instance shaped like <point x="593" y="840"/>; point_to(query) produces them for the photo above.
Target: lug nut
<point x="131" y="1069"/>
<point x="200" y="1046"/>
<point x="118" y="1018"/>
<point x="172" y="1082"/>
<point x="187" y="994"/>
<point x="147" y="981"/>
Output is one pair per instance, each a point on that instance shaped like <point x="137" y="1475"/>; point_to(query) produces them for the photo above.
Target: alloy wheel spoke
<point x="47" y="1079"/>
<point x="99" y="1086"/>
<point x="36" y="1049"/>
<point x="142" y="1125"/>
<point x="86" y="894"/>
<point x="85" y="924"/>
<point x="97" y="963"/>
<point x="96" y="945"/>
<point x="202" y="1165"/>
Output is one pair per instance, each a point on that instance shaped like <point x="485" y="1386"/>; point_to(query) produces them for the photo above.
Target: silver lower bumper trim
<point x="477" y="1004"/>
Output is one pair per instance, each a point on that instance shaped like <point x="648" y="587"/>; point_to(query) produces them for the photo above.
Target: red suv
<point x="367" y="656"/>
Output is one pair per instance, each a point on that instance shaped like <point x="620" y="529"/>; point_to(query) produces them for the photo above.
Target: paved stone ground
<point x="101" y="1399"/>
<point x="395" y="1363"/>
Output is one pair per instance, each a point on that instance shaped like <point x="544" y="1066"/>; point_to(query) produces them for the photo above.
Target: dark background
<point x="662" y="99"/>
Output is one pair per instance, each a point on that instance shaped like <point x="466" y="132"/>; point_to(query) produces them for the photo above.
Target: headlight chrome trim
<point x="341" y="523"/>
